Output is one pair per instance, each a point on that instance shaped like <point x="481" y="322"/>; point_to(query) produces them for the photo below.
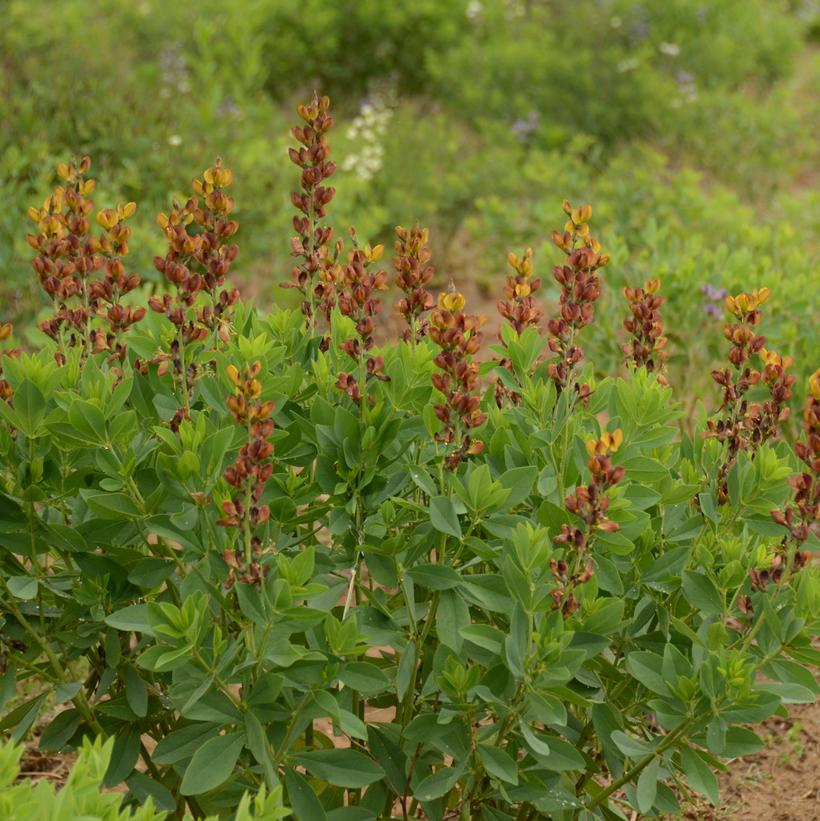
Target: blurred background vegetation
<point x="691" y="126"/>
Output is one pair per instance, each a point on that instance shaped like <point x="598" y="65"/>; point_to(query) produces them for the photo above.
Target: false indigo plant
<point x="427" y="603"/>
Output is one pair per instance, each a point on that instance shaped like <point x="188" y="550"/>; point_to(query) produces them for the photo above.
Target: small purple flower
<point x="523" y="128"/>
<point x="714" y="293"/>
<point x="713" y="310"/>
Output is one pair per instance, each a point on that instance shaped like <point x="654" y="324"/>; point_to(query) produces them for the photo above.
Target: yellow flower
<point x="814" y="385"/>
<point x="451" y="301"/>
<point x="373" y="254"/>
<point x="108" y="218"/>
<point x="233" y="375"/>
<point x="608" y="443"/>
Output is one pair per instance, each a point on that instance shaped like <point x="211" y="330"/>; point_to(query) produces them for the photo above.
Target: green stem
<point x="635" y="771"/>
<point x="80" y="701"/>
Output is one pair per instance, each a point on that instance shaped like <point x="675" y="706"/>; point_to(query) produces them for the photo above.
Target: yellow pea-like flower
<point x="108" y="218"/>
<point x="451" y="301"/>
<point x="373" y="254"/>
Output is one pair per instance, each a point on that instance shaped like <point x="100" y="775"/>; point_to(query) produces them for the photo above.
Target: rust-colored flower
<point x="519" y="309"/>
<point x="198" y="259"/>
<point x="457" y="334"/>
<point x="745" y="425"/>
<point x="801" y="516"/>
<point x="580" y="289"/>
<point x="647" y="346"/>
<point x="69" y="259"/>
<point x="316" y="271"/>
<point x="248" y="475"/>
<point x="590" y="504"/>
<point x="413" y="272"/>
<point x="6" y="391"/>
<point x="358" y="299"/>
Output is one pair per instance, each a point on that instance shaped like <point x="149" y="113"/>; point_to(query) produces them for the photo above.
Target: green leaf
<point x="302" y="798"/>
<point x="421" y="478"/>
<point x="452" y="615"/>
<point x="134" y="617"/>
<point x="561" y="757"/>
<point x="434" y="576"/>
<point x="364" y="676"/>
<point x="213" y="764"/>
<point x="520" y="482"/>
<point x="88" y="421"/>
<point x="437" y="784"/>
<point x="741" y="741"/>
<point x="701" y="593"/>
<point x="23" y="717"/>
<point x="391" y="757"/>
<point x="67" y="691"/>
<point x="114" y="506"/>
<point x="648" y="786"/>
<point x="136" y="691"/>
<point x="648" y="669"/>
<point x="404" y="673"/>
<point x="260" y="748"/>
<point x="483" y="635"/>
<point x="499" y="764"/>
<point x="344" y="768"/>
<point x="183" y="743"/>
<point x="124" y="757"/>
<point x="30" y="408"/>
<point x="699" y="775"/>
<point x="443" y="516"/>
<point x="22" y="587"/>
<point x="143" y="787"/>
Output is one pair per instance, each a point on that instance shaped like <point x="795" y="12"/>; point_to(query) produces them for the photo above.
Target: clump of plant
<point x="346" y="580"/>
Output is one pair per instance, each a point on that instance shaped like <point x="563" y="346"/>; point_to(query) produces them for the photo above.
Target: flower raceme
<point x="413" y="272"/>
<point x="746" y="425"/>
<point x="519" y="309"/>
<point x="803" y="513"/>
<point x="249" y="474"/>
<point x="580" y="289"/>
<point x="314" y="274"/>
<point x="6" y="391"/>
<point x="69" y="257"/>
<point x="590" y="504"/>
<point x="198" y="259"/>
<point x="646" y="348"/>
<point x="456" y="334"/>
<point x="358" y="300"/>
